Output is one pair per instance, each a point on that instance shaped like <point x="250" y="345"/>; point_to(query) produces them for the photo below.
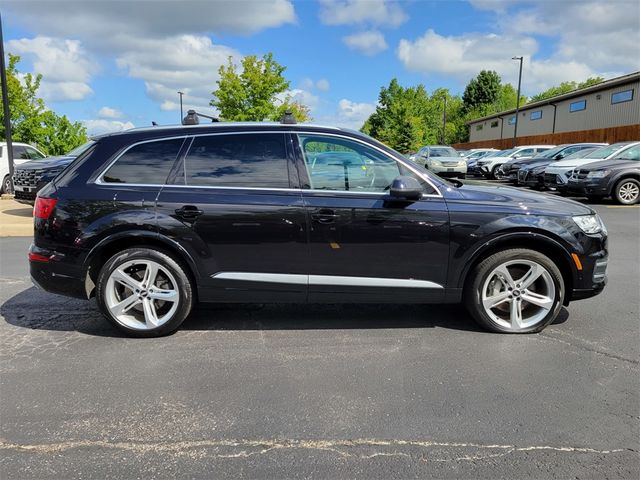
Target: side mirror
<point x="405" y="187"/>
<point x="517" y="155"/>
<point x="559" y="156"/>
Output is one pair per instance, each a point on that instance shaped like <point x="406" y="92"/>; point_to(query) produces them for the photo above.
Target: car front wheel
<point x="627" y="191"/>
<point x="515" y="291"/>
<point x="144" y="292"/>
<point x="7" y="185"/>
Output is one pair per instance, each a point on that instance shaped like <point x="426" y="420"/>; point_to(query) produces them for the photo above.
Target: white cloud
<point x="108" y="112"/>
<point x="99" y="126"/>
<point x="66" y="66"/>
<point x="322" y="84"/>
<point x="587" y="38"/>
<point x="186" y="63"/>
<point x="352" y="12"/>
<point x="368" y="43"/>
<point x="350" y="114"/>
<point x="301" y="96"/>
<point x="104" y="20"/>
<point x="464" y="56"/>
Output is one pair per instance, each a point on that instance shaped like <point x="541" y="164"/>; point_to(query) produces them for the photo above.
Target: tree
<point x="482" y="91"/>
<point x="31" y="122"/>
<point x="565" y="87"/>
<point x="255" y="94"/>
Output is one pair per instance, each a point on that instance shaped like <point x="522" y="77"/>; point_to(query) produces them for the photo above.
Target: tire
<point x="627" y="191"/>
<point x="494" y="171"/>
<point x="7" y="185"/>
<point x="139" y="305"/>
<point x="484" y="284"/>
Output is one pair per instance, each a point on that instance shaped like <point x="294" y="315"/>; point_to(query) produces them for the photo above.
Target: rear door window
<point x="146" y="163"/>
<point x="252" y="160"/>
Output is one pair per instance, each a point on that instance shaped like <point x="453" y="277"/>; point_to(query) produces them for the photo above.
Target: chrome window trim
<point x="326" y="280"/>
<point x="192" y="137"/>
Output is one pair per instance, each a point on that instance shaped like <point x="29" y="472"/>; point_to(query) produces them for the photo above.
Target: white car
<point x="476" y="153"/>
<point x="442" y="160"/>
<point x="21" y="153"/>
<point x="557" y="175"/>
<point x="489" y="164"/>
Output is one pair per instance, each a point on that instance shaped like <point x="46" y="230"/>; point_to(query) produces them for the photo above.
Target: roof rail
<point x="288" y="118"/>
<point x="193" y="118"/>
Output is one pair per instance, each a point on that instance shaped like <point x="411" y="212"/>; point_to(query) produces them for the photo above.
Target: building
<point x="607" y="112"/>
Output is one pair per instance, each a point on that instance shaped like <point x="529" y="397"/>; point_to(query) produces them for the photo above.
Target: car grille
<point x="450" y="164"/>
<point x="551" y="178"/>
<point x="27" y="178"/>
<point x="582" y="174"/>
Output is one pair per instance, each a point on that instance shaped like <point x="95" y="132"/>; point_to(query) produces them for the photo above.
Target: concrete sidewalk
<point x="16" y="219"/>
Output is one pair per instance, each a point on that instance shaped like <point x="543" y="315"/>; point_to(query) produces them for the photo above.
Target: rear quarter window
<point x="146" y="163"/>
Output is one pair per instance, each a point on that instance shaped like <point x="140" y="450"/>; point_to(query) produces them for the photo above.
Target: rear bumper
<point x="57" y="276"/>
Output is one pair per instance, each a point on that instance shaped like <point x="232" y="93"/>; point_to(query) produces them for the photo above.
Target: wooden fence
<point x="604" y="135"/>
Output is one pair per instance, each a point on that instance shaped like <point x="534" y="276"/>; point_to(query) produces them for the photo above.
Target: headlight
<point x="435" y="162"/>
<point x="590" y="224"/>
<point x="598" y="174"/>
<point x="462" y="163"/>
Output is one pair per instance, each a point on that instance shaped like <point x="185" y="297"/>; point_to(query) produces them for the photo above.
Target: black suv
<point x="150" y="221"/>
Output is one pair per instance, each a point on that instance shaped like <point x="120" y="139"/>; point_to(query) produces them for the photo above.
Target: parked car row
<point x="22" y="153"/>
<point x="589" y="170"/>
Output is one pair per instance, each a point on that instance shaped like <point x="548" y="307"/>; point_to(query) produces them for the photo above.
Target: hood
<point x="613" y="164"/>
<point x="575" y="162"/>
<point x="46" y="163"/>
<point x="515" y="200"/>
<point x="533" y="162"/>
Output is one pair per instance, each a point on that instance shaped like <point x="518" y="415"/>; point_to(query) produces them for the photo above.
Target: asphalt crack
<point x="356" y="448"/>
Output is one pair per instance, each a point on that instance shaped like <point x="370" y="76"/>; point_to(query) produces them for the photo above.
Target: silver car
<point x="442" y="160"/>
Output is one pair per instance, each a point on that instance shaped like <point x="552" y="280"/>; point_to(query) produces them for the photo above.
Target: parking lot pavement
<point x="15" y="218"/>
<point x="322" y="391"/>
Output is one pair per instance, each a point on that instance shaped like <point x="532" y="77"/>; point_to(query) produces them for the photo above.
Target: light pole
<point x="5" y="109"/>
<point x="181" y="114"/>
<point x="515" y="127"/>
<point x="444" y="121"/>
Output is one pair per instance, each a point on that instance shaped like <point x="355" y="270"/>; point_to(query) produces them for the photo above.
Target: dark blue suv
<point x="150" y="221"/>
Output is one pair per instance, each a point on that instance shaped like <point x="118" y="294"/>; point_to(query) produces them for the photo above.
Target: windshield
<point x="442" y="152"/>
<point x="580" y="153"/>
<point x="605" y="152"/>
<point x="76" y="152"/>
<point x="503" y="153"/>
<point x="632" y="153"/>
<point x="551" y="152"/>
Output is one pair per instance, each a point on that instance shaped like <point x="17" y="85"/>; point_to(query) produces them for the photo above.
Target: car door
<point x="234" y="206"/>
<point x="363" y="246"/>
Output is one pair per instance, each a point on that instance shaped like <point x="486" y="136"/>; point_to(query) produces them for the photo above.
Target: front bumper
<point x="587" y="188"/>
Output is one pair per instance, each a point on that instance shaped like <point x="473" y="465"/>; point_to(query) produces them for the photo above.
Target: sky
<point x="116" y="64"/>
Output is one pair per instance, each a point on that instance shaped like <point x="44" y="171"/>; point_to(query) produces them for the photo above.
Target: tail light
<point x="44" y="207"/>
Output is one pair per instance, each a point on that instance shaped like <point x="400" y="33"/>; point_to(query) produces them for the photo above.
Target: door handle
<point x="189" y="212"/>
<point x="324" y="215"/>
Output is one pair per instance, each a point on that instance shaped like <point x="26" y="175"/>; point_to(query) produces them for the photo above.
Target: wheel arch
<point x="622" y="176"/>
<point x="118" y="242"/>
<point x="537" y="242"/>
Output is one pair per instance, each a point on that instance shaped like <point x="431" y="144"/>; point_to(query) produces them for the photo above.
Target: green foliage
<point x="482" y="90"/>
<point x="565" y="87"/>
<point x="31" y="122"/>
<point x="252" y="94"/>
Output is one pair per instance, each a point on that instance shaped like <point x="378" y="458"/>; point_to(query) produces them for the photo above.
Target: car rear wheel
<point x="144" y="292"/>
<point x="627" y="191"/>
<point x="7" y="185"/>
<point x="495" y="173"/>
<point x="515" y="291"/>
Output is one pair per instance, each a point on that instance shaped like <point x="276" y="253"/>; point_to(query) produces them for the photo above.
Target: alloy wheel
<point x="628" y="192"/>
<point x="518" y="294"/>
<point x="142" y="294"/>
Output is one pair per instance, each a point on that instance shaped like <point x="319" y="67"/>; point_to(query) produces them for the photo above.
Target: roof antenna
<point x="193" y="118"/>
<point x="288" y="118"/>
<point x="155" y="124"/>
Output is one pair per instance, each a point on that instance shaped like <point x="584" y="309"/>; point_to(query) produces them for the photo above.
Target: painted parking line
<point x="623" y="206"/>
